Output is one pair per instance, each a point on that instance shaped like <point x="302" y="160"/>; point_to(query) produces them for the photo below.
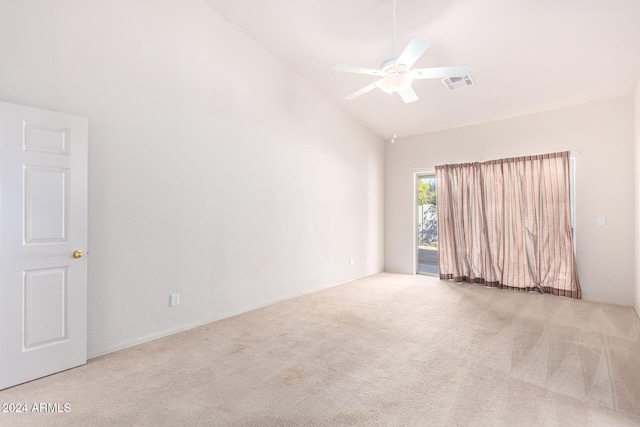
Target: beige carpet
<point x="388" y="350"/>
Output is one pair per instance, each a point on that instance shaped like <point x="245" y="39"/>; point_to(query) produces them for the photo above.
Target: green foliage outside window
<point x="427" y="192"/>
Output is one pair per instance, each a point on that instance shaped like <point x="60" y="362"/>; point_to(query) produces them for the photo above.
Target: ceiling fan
<point x="396" y="73"/>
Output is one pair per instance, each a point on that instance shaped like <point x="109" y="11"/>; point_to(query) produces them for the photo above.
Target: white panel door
<point x="43" y="239"/>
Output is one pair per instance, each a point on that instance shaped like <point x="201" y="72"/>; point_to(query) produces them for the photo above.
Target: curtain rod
<point x="572" y="154"/>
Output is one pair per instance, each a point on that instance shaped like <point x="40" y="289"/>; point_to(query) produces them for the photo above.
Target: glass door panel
<point x="427" y="227"/>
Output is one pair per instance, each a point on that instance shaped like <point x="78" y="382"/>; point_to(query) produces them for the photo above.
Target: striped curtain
<point x="507" y="224"/>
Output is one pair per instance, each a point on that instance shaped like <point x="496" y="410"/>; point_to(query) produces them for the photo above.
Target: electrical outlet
<point x="174" y="299"/>
<point x="351" y="261"/>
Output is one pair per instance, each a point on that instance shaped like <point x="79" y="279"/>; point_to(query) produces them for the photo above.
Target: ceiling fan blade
<point x="413" y="51"/>
<point x="439" y="72"/>
<point x="408" y="95"/>
<point x="355" y="69"/>
<point x="363" y="90"/>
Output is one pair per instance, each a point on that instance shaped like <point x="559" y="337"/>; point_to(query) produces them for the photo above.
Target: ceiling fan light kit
<point x="396" y="74"/>
<point x="395" y="84"/>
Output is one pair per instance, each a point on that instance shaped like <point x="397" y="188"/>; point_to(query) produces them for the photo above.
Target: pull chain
<point x="394" y="110"/>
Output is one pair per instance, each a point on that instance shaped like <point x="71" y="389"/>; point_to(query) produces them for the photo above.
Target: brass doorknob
<point x="77" y="253"/>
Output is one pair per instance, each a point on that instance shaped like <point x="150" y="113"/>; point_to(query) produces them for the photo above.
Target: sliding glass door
<point x="427" y="227"/>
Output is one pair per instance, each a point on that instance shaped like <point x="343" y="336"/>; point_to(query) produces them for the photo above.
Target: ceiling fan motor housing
<point x="397" y="79"/>
<point x="391" y="66"/>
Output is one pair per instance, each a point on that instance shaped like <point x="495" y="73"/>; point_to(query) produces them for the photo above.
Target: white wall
<point x="637" y="199"/>
<point x="214" y="170"/>
<point x="603" y="134"/>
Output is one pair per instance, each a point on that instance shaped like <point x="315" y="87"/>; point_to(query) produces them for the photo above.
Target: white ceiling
<point x="524" y="55"/>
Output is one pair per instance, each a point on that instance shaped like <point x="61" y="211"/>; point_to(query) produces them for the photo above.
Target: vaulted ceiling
<point x="524" y="55"/>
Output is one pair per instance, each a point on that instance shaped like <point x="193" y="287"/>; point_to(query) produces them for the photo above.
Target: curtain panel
<point x="507" y="224"/>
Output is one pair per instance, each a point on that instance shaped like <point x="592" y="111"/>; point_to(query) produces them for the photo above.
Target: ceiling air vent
<point x="454" y="83"/>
